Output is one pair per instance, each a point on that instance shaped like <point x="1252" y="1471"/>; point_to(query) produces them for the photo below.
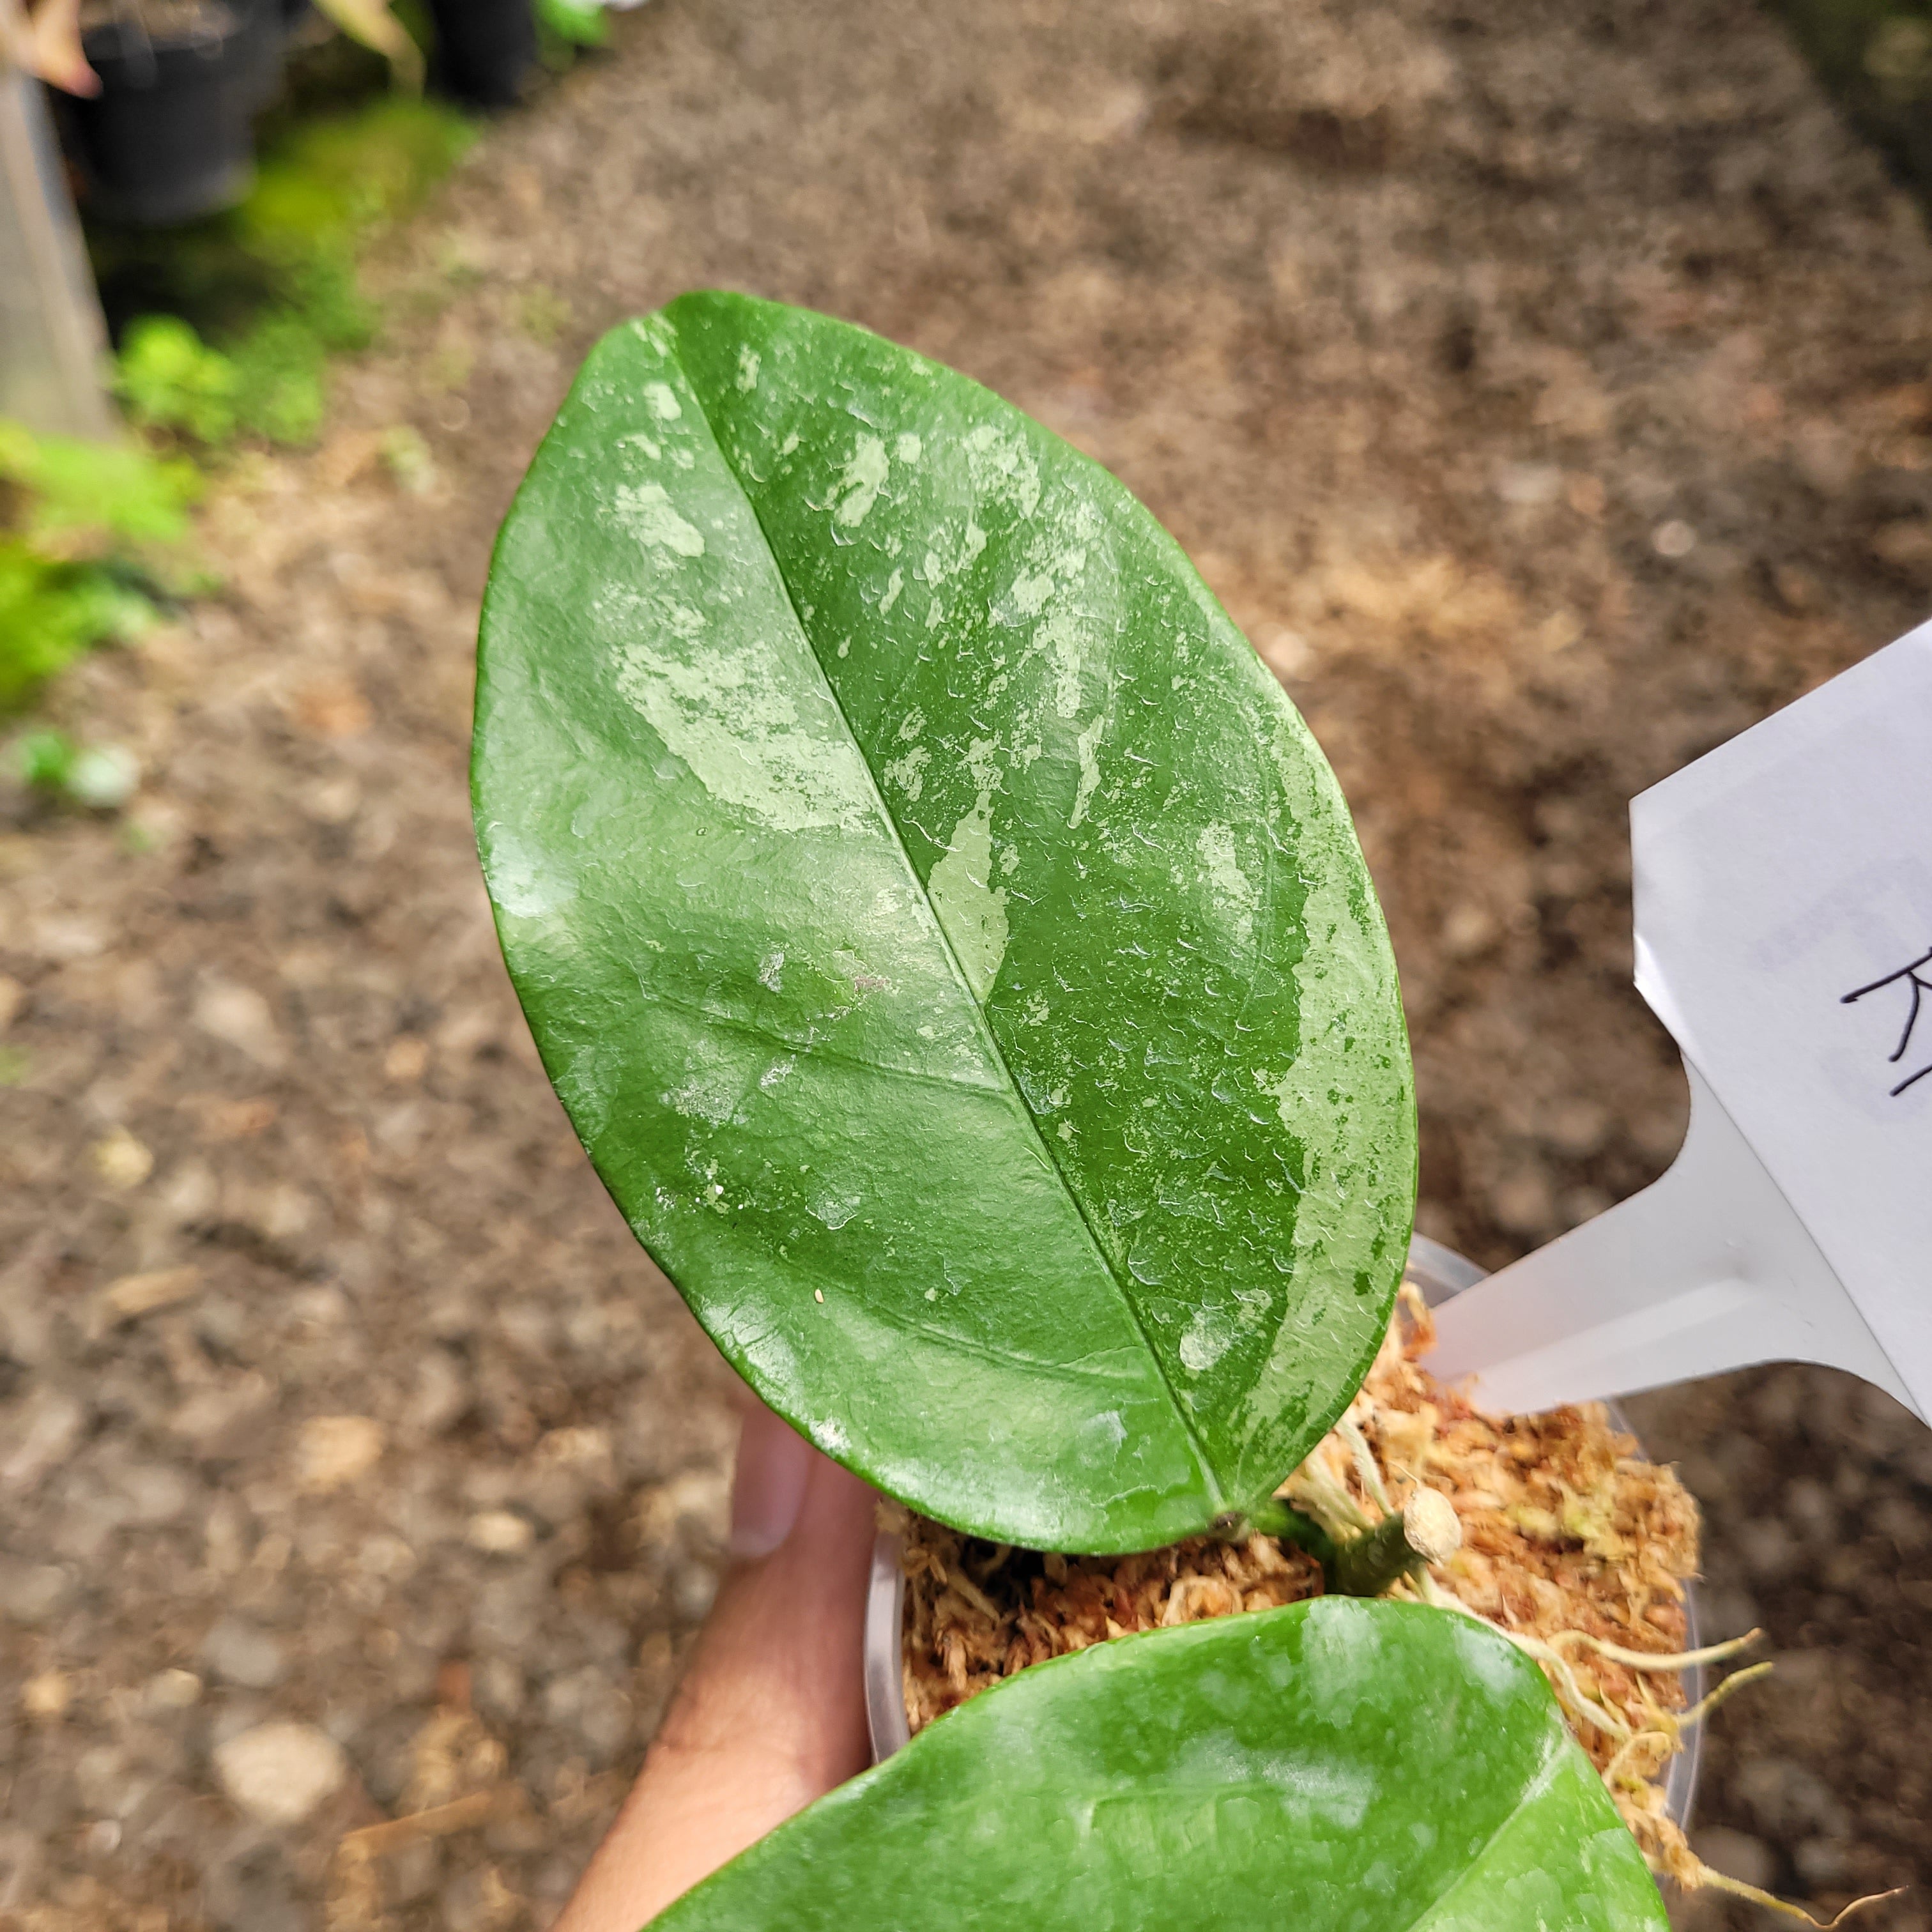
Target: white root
<point x="1718" y="1881"/>
<point x="1652" y="1660"/>
<point x="1737" y="1680"/>
<point x="1315" y="1489"/>
<point x="1366" y="1468"/>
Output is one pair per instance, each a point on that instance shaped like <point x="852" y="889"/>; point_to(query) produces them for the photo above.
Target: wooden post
<point x="53" y="344"/>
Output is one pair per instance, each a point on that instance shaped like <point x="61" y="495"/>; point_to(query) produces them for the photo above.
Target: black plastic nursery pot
<point x="1440" y="1273"/>
<point x="485" y="49"/>
<point x="170" y="135"/>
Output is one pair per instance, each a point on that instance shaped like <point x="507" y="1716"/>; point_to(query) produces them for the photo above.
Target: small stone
<point x="239" y="1016"/>
<point x="34" y="1593"/>
<point x="693" y="1588"/>
<point x="173" y="1690"/>
<point x="1469" y="930"/>
<point x="1824" y="1864"/>
<point x="239" y="1652"/>
<point x="1529" y="484"/>
<point x="412" y="1872"/>
<point x="589" y="1703"/>
<point x="152" y="1493"/>
<point x="332" y="707"/>
<point x="1526" y="1203"/>
<point x="333" y="1450"/>
<point x="574" y="1448"/>
<point x="505" y="1612"/>
<point x="121" y="1160"/>
<point x="384" y="1556"/>
<point x="441" y="1393"/>
<point x="1906" y="545"/>
<point x="45" y="1697"/>
<point x="1737" y="1855"/>
<point x="1286" y="652"/>
<point x="259" y="1892"/>
<point x="1812" y="1509"/>
<point x="190" y="1193"/>
<point x="1586" y="495"/>
<point x="1578" y="1126"/>
<point x="279" y="1772"/>
<point x="107" y="1783"/>
<point x="406" y="1058"/>
<point x="39" y="1435"/>
<point x="104" y="777"/>
<point x="333" y="801"/>
<point x="22" y="1853"/>
<point x="212" y="1417"/>
<point x="1787" y="1799"/>
<point x="133" y="1295"/>
<point x="499" y="1532"/>
<point x="498" y="1688"/>
<point x="1767" y="1546"/>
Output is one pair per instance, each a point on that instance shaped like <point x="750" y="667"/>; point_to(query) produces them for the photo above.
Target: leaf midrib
<point x="1210" y="1476"/>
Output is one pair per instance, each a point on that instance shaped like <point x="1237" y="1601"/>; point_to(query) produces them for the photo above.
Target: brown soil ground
<point x="1417" y="321"/>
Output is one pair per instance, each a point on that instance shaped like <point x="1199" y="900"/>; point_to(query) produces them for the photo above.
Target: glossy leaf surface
<point x="1337" y="1766"/>
<point x="946" y="939"/>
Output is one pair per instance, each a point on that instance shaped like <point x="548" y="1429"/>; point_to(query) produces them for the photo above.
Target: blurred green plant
<point x="575" y="23"/>
<point x="326" y="182"/>
<point x="168" y="378"/>
<point x="79" y="494"/>
<point x="51" y="611"/>
<point x="324" y="187"/>
<point x="101" y="778"/>
<point x="407" y="458"/>
<point x="92" y="536"/>
<point x="90" y="543"/>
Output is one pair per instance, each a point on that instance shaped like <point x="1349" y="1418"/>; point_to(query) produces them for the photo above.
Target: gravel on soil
<point x="1545" y="390"/>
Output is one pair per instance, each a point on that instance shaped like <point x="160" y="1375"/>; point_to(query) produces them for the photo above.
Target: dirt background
<point x="1543" y="388"/>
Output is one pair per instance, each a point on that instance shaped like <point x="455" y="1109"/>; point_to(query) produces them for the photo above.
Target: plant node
<point x="1424" y="1531"/>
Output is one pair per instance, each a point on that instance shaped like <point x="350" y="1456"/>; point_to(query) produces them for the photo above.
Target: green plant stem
<point x="1424" y="1531"/>
<point x="1274" y="1518"/>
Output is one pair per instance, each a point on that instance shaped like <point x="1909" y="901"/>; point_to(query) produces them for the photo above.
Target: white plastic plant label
<point x="1783" y="909"/>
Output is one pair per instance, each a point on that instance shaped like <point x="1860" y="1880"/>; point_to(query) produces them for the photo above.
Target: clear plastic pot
<point x="1440" y="1273"/>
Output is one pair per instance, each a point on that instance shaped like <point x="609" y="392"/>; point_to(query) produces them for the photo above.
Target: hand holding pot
<point x="771" y="1712"/>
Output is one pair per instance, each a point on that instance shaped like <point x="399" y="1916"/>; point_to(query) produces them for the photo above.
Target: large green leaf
<point x="1335" y="1766"/>
<point x="944" y="934"/>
